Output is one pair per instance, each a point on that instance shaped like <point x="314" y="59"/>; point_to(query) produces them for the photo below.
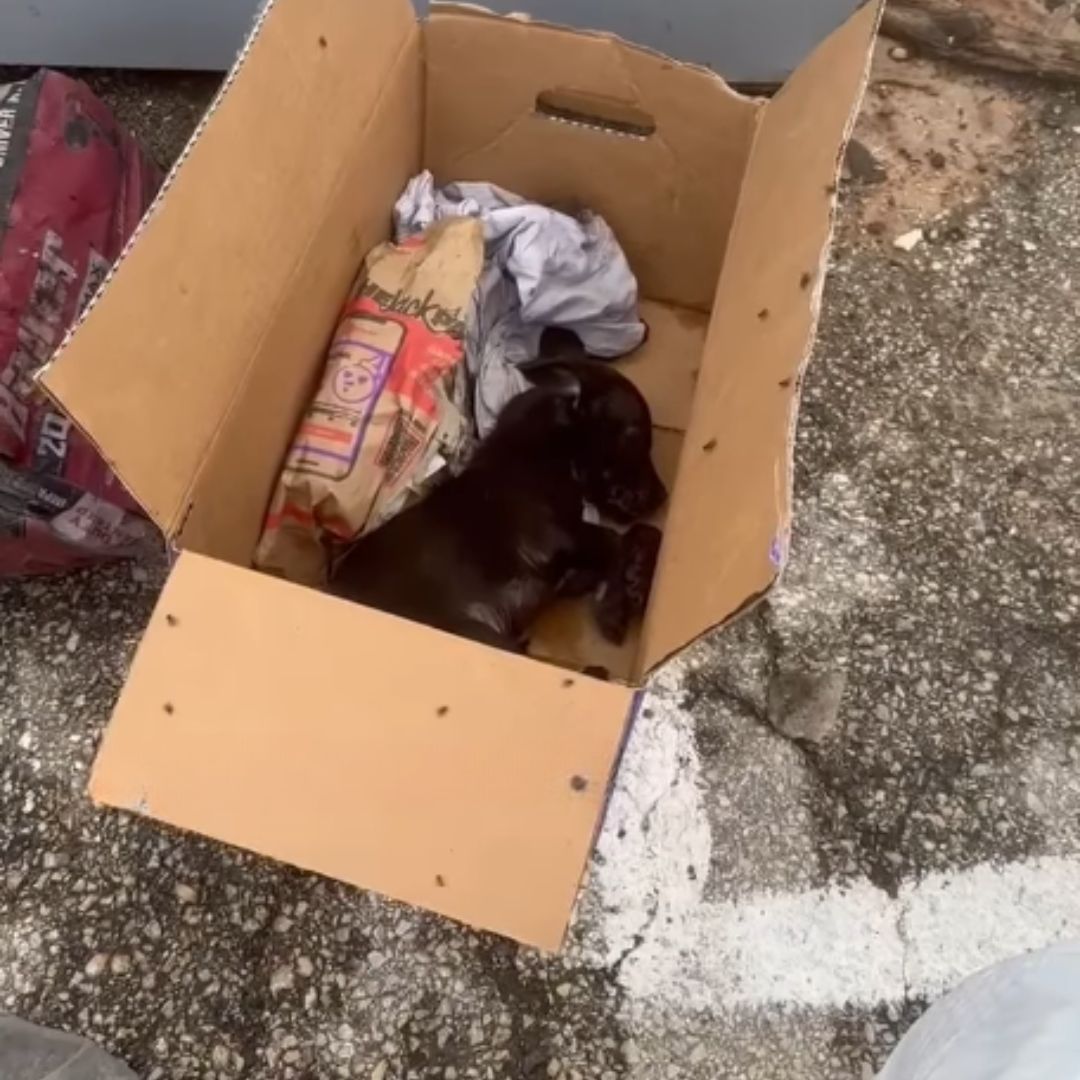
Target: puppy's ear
<point x="558" y="343"/>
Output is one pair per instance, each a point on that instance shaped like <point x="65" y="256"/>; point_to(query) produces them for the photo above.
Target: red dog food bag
<point x="390" y="413"/>
<point x="73" y="187"/>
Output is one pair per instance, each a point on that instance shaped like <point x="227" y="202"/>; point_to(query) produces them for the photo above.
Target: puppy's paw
<point x="612" y="612"/>
<point x="640" y="548"/>
<point x="625" y="594"/>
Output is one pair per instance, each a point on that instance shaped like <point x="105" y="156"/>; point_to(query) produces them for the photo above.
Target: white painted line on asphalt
<point x="818" y="948"/>
<point x="830" y="947"/>
<point x="957" y="923"/>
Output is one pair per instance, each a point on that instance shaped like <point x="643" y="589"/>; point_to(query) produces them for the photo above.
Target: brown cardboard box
<point x="337" y="738"/>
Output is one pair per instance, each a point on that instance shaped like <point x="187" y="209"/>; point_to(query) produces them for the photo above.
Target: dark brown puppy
<point x="487" y="550"/>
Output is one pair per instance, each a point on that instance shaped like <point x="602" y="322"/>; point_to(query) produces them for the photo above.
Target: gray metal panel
<point x="745" y="40"/>
<point x="180" y="34"/>
<point x="753" y="41"/>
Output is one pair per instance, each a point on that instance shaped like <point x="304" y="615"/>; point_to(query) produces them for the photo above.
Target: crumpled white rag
<point x="542" y="268"/>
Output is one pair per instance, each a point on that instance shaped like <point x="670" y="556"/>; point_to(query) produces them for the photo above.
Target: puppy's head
<point x="612" y="429"/>
<point x="539" y="421"/>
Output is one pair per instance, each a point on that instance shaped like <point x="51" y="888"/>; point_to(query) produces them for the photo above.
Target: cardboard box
<point x="341" y="739"/>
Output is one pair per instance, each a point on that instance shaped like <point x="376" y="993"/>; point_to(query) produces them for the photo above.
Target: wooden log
<point x="1035" y="37"/>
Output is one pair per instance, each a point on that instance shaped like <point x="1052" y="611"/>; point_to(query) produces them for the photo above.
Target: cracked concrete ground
<point x="757" y="908"/>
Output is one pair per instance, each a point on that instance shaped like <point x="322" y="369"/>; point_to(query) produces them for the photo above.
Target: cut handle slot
<point x="595" y="111"/>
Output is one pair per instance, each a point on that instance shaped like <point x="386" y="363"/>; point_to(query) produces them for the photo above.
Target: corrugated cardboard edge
<point x="632" y="714"/>
<point x="41" y="376"/>
<point x="439" y="7"/>
<point x="785" y="505"/>
<point x="818" y="296"/>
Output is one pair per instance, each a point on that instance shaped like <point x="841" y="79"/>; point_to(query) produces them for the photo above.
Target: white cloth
<point x="1018" y="1020"/>
<point x="542" y="268"/>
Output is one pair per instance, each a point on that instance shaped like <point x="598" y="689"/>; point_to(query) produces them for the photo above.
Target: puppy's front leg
<point x="594" y="553"/>
<point x="624" y="594"/>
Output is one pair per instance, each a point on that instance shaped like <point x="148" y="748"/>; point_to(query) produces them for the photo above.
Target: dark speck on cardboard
<point x="440" y="881"/>
<point x="709" y="446"/>
<point x="785" y="383"/>
<point x="442" y="710"/>
<point x="805" y="280"/>
<point x="168" y="707"/>
<point x="763" y="314"/>
<point x="578" y="783"/>
<point x="567" y="683"/>
<point x="322" y="42"/>
<point x="171" y="620"/>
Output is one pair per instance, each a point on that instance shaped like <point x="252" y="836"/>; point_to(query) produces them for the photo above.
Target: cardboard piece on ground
<point x="308" y="729"/>
<point x="343" y="742"/>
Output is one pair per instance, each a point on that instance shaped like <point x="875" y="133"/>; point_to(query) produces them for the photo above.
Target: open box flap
<point x="374" y="750"/>
<point x="160" y="357"/>
<point x="726" y="533"/>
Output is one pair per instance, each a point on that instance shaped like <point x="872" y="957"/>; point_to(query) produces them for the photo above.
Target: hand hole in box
<point x="595" y="111"/>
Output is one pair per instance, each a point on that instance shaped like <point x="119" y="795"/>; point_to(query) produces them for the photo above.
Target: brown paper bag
<point x="391" y="409"/>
